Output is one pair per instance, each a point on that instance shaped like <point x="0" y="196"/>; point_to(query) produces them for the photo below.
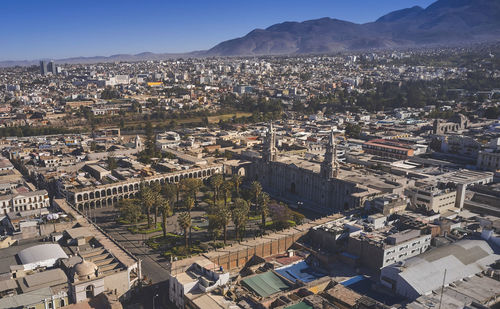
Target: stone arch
<point x="103" y="193"/>
<point x="108" y="192"/>
<point x="176" y="178"/>
<point x="115" y="191"/>
<point x="79" y="197"/>
<point x="85" y="196"/>
<point x="91" y="195"/>
<point x="97" y="194"/>
<point x="131" y="187"/>
<point x="120" y="189"/>
<point x="241" y="171"/>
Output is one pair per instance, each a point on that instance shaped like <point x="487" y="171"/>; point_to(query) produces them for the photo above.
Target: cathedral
<point x="323" y="188"/>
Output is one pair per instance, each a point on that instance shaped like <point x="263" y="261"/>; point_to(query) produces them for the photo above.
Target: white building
<point x="423" y="274"/>
<point x="24" y="201"/>
<point x="191" y="277"/>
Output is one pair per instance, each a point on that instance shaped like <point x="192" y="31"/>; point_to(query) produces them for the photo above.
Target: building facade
<point x="108" y="194"/>
<point x="322" y="191"/>
<point x="24" y="201"/>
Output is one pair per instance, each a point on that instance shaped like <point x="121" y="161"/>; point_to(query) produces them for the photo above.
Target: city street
<point x="154" y="267"/>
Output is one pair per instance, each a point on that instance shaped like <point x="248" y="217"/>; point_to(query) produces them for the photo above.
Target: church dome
<point x="85" y="269"/>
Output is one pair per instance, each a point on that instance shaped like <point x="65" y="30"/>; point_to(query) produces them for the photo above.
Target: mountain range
<point x="443" y="23"/>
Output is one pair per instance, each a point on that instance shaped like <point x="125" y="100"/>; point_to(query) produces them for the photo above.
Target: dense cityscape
<point x="354" y="179"/>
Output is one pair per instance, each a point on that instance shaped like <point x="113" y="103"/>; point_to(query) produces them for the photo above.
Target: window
<point x="89" y="291"/>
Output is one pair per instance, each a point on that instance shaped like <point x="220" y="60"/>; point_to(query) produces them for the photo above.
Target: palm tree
<point x="216" y="181"/>
<point x="226" y="189"/>
<point x="263" y="202"/>
<point x="147" y="199"/>
<point x="130" y="210"/>
<point x="224" y="215"/>
<point x="184" y="220"/>
<point x="169" y="191"/>
<point x="191" y="186"/>
<point x="239" y="215"/>
<point x="157" y="203"/>
<point x="237" y="180"/>
<point x="189" y="203"/>
<point x="256" y="189"/>
<point x="165" y="212"/>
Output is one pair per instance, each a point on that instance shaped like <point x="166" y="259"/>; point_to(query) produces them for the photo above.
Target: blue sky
<point x="33" y="29"/>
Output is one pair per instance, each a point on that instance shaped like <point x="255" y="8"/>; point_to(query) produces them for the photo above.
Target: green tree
<point x="214" y="226"/>
<point x="223" y="213"/>
<point x="225" y="189"/>
<point x="189" y="204"/>
<point x="147" y="199"/>
<point x="353" y="130"/>
<point x="112" y="164"/>
<point x="215" y="182"/>
<point x="169" y="191"/>
<point x="239" y="215"/>
<point x="184" y="220"/>
<point x="263" y="203"/>
<point x="191" y="186"/>
<point x="237" y="180"/>
<point x="256" y="189"/>
<point x="130" y="210"/>
<point x="166" y="211"/>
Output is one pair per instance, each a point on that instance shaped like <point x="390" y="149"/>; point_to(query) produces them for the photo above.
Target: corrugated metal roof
<point x="462" y="259"/>
<point x="265" y="284"/>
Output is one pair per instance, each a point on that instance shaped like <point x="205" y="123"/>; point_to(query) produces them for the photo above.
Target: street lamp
<point x="156" y="295"/>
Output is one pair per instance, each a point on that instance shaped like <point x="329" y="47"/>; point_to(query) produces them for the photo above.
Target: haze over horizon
<point x="61" y="29"/>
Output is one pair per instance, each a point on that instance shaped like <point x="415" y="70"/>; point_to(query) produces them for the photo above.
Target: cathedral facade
<point x="300" y="183"/>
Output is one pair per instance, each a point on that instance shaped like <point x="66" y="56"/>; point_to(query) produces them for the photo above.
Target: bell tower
<point x="270" y="151"/>
<point x="330" y="165"/>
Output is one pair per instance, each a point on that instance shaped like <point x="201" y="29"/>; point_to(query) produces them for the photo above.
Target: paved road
<point x="154" y="266"/>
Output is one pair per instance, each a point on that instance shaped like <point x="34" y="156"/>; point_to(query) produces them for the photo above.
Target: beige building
<point x="24" y="201"/>
<point x="432" y="198"/>
<point x="488" y="161"/>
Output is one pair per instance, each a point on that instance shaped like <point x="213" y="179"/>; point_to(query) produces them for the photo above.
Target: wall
<point x="239" y="257"/>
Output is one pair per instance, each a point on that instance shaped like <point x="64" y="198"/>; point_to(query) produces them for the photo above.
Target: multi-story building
<point x="24" y="201"/>
<point x="374" y="250"/>
<point x="192" y="278"/>
<point x="92" y="196"/>
<point x="432" y="198"/>
<point x="388" y="149"/>
<point x="489" y="160"/>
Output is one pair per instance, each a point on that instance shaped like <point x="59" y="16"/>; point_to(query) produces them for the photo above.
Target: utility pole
<point x="442" y="289"/>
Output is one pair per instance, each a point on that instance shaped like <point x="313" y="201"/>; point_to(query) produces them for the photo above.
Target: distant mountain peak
<point x="399" y="14"/>
<point x="442" y="23"/>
